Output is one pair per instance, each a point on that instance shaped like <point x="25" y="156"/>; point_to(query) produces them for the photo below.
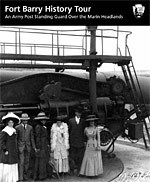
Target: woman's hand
<point x="98" y="148"/>
<point x="6" y="153"/>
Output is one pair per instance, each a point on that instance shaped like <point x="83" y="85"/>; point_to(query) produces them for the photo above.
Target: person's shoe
<point x="54" y="176"/>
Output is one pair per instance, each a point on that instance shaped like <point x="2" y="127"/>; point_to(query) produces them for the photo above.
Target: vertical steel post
<point x="4" y="51"/>
<point x="85" y="42"/>
<point x="52" y="44"/>
<point x="57" y="43"/>
<point x="92" y="69"/>
<point x="16" y="43"/>
<point x="34" y="52"/>
<point x="102" y="42"/>
<point x="117" y="40"/>
<point x="19" y="42"/>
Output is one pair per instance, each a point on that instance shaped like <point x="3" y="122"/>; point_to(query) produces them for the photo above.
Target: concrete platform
<point x="136" y="162"/>
<point x="113" y="167"/>
<point x="131" y="164"/>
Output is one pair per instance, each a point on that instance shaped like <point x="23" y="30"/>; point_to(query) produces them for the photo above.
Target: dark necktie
<point x="24" y="126"/>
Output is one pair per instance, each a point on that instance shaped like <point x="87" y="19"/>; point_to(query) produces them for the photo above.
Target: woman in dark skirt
<point x="8" y="151"/>
<point x="41" y="141"/>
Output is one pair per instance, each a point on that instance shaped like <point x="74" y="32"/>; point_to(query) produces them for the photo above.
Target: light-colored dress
<point x="60" y="146"/>
<point x="92" y="162"/>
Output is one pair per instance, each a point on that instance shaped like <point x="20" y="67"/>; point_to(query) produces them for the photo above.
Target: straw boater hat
<point x="11" y="116"/>
<point x="41" y="116"/>
<point x="92" y="118"/>
<point x="24" y="116"/>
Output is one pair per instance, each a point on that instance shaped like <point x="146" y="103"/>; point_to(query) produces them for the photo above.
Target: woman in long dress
<point x="41" y="141"/>
<point x="92" y="162"/>
<point x="60" y="145"/>
<point x="9" y="155"/>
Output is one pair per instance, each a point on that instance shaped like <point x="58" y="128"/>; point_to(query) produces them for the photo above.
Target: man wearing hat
<point x="42" y="144"/>
<point x="25" y="141"/>
<point x="76" y="136"/>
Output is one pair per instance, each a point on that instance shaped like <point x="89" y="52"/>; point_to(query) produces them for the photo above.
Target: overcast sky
<point x="139" y="44"/>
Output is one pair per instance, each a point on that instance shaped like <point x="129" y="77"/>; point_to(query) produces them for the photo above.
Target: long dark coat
<point x="76" y="133"/>
<point x="42" y="155"/>
<point x="8" y="143"/>
<point x="41" y="141"/>
<point x="77" y="139"/>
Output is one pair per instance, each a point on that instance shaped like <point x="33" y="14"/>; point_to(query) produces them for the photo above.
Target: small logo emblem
<point x="138" y="10"/>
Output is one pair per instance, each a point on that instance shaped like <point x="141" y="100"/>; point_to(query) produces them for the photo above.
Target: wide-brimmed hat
<point x="11" y="116"/>
<point x="41" y="116"/>
<point x="92" y="117"/>
<point x="24" y="116"/>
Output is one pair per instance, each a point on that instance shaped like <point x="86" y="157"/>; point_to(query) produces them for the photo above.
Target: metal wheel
<point x="106" y="137"/>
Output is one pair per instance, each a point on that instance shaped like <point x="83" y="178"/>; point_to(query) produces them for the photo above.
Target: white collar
<point x="9" y="130"/>
<point x="77" y="119"/>
<point x="24" y="125"/>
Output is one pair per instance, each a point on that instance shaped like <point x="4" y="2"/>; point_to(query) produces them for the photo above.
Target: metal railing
<point x="35" y="41"/>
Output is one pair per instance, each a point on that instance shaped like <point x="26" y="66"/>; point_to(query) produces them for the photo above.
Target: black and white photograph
<point x="74" y="91"/>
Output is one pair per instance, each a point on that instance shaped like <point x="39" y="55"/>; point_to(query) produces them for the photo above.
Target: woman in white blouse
<point x="60" y="145"/>
<point x="8" y="149"/>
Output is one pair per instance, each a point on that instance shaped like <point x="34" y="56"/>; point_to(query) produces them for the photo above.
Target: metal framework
<point x="33" y="42"/>
<point x="58" y="53"/>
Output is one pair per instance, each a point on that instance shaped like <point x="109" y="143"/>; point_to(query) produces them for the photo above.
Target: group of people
<point x="74" y="147"/>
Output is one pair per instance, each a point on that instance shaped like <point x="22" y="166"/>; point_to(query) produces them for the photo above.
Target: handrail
<point x="47" y="31"/>
<point x="56" y="38"/>
<point x="140" y="90"/>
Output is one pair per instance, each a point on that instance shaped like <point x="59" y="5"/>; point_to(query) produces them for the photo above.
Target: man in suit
<point x="25" y="141"/>
<point x="77" y="139"/>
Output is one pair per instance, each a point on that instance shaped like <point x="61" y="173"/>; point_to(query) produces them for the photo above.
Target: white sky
<point x="138" y="42"/>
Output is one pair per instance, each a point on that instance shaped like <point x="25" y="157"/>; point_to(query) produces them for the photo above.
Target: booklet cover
<point x="75" y="12"/>
<point x="60" y="57"/>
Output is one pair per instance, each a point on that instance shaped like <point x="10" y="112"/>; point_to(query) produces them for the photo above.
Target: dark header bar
<point x="75" y="12"/>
